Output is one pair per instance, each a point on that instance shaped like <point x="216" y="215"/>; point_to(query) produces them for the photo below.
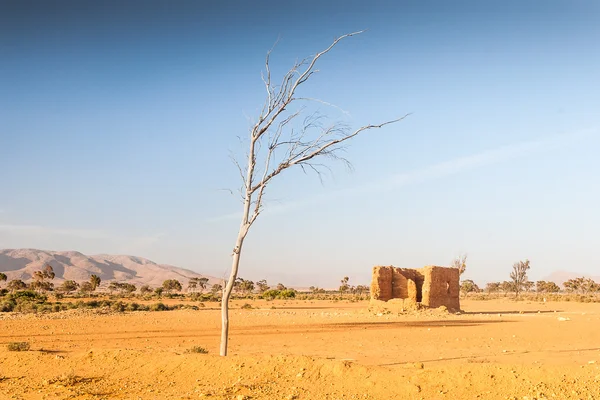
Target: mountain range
<point x="559" y="277"/>
<point x="72" y="265"/>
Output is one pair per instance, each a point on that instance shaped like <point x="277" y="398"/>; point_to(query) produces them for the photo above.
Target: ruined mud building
<point x="430" y="286"/>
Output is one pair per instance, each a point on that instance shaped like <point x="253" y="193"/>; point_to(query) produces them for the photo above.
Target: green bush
<point x="287" y="294"/>
<point x="29" y="295"/>
<point x="279" y="294"/>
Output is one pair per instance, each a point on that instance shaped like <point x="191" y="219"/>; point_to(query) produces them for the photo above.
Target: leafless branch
<point x="318" y="147"/>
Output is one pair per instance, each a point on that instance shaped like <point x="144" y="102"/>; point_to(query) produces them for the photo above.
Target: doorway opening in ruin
<point x="419" y="284"/>
<point x="447" y="287"/>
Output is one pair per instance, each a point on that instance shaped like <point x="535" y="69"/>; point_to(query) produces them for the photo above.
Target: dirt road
<point x="497" y="349"/>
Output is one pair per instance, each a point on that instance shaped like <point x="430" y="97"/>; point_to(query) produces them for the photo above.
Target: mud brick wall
<point x="431" y="286"/>
<point x="399" y="283"/>
<point x="381" y="283"/>
<point x="441" y="287"/>
<point x="409" y="285"/>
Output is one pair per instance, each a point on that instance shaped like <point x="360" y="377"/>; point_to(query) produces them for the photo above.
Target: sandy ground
<point x="497" y="349"/>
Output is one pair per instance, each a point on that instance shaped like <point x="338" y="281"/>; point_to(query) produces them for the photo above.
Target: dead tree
<point x="285" y="135"/>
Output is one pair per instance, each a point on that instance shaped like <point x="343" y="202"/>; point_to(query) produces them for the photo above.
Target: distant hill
<point x="21" y="264"/>
<point x="559" y="277"/>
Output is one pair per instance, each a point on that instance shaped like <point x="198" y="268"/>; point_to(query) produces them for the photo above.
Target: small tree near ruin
<point x="519" y="276"/>
<point x="3" y="277"/>
<point x="284" y="136"/>
<point x="468" y="286"/>
<point x="460" y="263"/>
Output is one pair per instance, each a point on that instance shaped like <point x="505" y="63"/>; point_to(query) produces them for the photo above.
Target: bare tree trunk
<point x="226" y="295"/>
<point x="237" y="252"/>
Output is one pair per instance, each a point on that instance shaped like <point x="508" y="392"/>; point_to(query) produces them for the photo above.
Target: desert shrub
<point x="24" y="306"/>
<point x="79" y="304"/>
<point x="199" y="296"/>
<point x="287" y="294"/>
<point x="29" y="295"/>
<point x="18" y="346"/>
<point x="158" y="307"/>
<point x="197" y="349"/>
<point x="246" y="306"/>
<point x="270" y="294"/>
<point x="46" y="308"/>
<point x="118" y="306"/>
<point x="133" y="307"/>
<point x="279" y="294"/>
<point x="7" y="306"/>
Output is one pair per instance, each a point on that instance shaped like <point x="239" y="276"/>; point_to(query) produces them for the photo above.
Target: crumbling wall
<point x="431" y="286"/>
<point x="441" y="287"/>
<point x="399" y="283"/>
<point x="381" y="283"/>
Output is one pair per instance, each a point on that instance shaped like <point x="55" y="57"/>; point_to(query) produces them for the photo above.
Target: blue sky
<point x="117" y="120"/>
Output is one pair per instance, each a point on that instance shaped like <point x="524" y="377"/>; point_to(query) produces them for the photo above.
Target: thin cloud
<point x="432" y="172"/>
